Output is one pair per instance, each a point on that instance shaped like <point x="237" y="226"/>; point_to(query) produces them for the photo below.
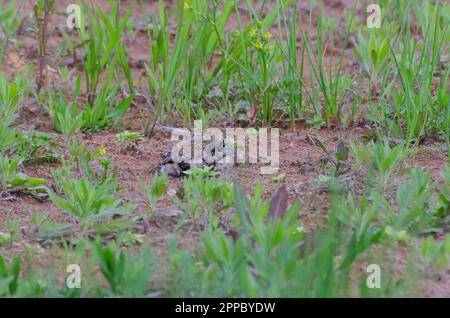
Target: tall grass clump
<point x="105" y="57"/>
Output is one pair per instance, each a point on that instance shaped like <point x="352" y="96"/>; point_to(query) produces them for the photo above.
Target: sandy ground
<point x="296" y="150"/>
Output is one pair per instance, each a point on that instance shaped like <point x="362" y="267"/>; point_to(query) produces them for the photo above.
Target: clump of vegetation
<point x="128" y="140"/>
<point x="85" y="116"/>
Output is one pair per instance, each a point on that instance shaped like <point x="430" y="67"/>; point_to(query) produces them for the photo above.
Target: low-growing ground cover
<point x="90" y="93"/>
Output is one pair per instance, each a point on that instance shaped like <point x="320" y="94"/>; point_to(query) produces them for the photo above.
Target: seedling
<point x="385" y="159"/>
<point x="105" y="54"/>
<point x="435" y="252"/>
<point x="128" y="140"/>
<point x="340" y="158"/>
<point x="36" y="148"/>
<point x="38" y="220"/>
<point x="12" y="181"/>
<point x="203" y="194"/>
<point x="10" y="19"/>
<point x="127" y="278"/>
<point x="332" y="88"/>
<point x="42" y="11"/>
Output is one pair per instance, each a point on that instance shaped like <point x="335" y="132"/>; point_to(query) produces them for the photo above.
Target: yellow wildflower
<point x="270" y="47"/>
<point x="102" y="150"/>
<point x="268" y="36"/>
<point x="252" y="33"/>
<point x="259" y="45"/>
